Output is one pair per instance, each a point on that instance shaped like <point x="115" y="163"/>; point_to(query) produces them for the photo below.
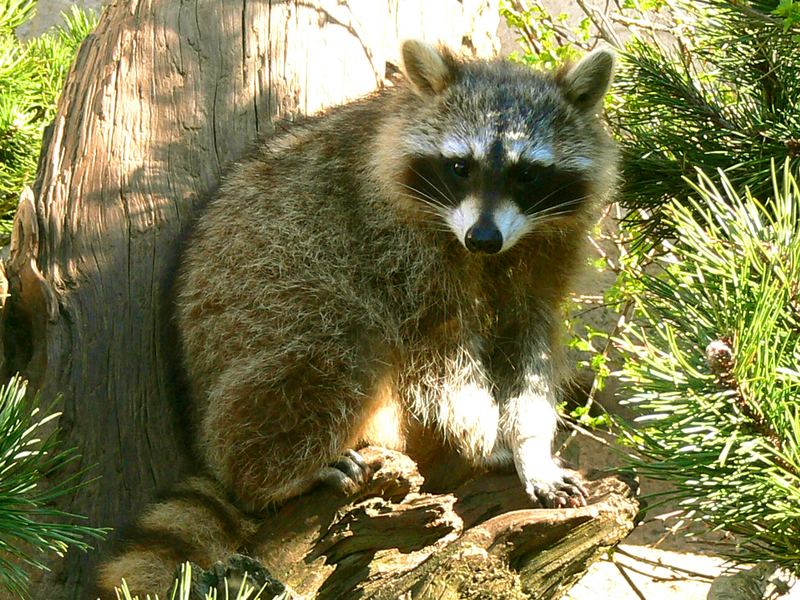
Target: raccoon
<point x="388" y="272"/>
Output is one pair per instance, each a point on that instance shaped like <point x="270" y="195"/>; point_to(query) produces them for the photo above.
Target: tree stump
<point x="164" y="95"/>
<point x="398" y="540"/>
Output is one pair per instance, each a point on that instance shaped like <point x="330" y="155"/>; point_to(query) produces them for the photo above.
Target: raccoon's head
<point x="498" y="151"/>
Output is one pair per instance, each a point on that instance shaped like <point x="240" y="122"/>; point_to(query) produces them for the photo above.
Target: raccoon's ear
<point x="586" y="83"/>
<point x="429" y="69"/>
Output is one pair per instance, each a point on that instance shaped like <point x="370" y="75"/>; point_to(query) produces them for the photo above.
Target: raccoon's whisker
<point x="423" y="197"/>
<point x="450" y="194"/>
<point x="433" y="205"/>
<point x="549" y="215"/>
<point x="540" y="219"/>
<point x="545" y="198"/>
<point x="420" y="195"/>
<point x="438" y="223"/>
<point x="434" y="210"/>
<point x="572" y="202"/>
<point x="446" y="197"/>
<point x="558" y="207"/>
<point x="550" y="195"/>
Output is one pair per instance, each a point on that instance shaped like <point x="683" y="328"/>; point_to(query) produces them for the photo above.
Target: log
<point x="398" y="540"/>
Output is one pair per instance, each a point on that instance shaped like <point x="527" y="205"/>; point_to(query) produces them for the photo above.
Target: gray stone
<point x="50" y="13"/>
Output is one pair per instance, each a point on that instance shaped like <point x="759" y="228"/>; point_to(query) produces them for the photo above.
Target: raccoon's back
<point x="296" y="240"/>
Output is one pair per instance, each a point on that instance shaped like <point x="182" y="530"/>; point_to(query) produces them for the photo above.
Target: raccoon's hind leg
<point x="273" y="431"/>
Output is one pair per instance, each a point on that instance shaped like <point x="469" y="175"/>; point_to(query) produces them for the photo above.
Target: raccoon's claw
<point x="348" y="474"/>
<point x="566" y="492"/>
<point x="356" y="458"/>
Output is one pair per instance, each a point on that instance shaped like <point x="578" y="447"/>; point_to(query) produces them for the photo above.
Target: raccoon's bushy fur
<point x="326" y="298"/>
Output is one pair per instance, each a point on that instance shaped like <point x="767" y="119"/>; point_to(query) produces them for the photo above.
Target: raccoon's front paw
<point x="348" y="474"/>
<point x="563" y="489"/>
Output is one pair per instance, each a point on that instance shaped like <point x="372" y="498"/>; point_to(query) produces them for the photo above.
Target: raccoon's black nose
<point x="484" y="237"/>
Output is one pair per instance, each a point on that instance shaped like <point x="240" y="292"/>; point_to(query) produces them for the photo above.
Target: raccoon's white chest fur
<point x="453" y="396"/>
<point x="446" y="385"/>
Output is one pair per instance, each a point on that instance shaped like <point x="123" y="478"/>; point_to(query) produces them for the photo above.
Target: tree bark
<point x="162" y="96"/>
<point x="397" y="540"/>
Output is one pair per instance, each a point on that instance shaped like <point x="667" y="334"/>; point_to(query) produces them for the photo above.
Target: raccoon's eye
<point x="460" y="168"/>
<point x="534" y="175"/>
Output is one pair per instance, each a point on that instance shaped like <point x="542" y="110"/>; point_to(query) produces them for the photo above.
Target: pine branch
<point x="720" y="359"/>
<point x="29" y="523"/>
<point x="696" y="102"/>
<point x="717" y="328"/>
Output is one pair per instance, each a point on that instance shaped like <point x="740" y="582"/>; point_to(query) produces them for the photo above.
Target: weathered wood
<point x="162" y="96"/>
<point x="396" y="540"/>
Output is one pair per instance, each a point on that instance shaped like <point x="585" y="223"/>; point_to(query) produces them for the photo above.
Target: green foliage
<point x="32" y="75"/>
<point x="29" y="526"/>
<point x="712" y="359"/>
<point x="708" y="275"/>
<point x="723" y="96"/>
<point x="547" y="40"/>
<point x="182" y="590"/>
<point x="790" y="11"/>
<point x="582" y="416"/>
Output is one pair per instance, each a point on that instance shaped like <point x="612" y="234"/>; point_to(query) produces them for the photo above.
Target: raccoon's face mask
<point x="495" y="176"/>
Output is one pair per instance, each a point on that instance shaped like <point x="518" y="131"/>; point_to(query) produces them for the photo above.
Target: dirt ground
<point x="653" y="563"/>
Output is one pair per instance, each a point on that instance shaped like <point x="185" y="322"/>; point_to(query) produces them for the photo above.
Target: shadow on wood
<point x="398" y="541"/>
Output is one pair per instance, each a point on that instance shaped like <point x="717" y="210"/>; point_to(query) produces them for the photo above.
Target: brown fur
<point x="321" y="307"/>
